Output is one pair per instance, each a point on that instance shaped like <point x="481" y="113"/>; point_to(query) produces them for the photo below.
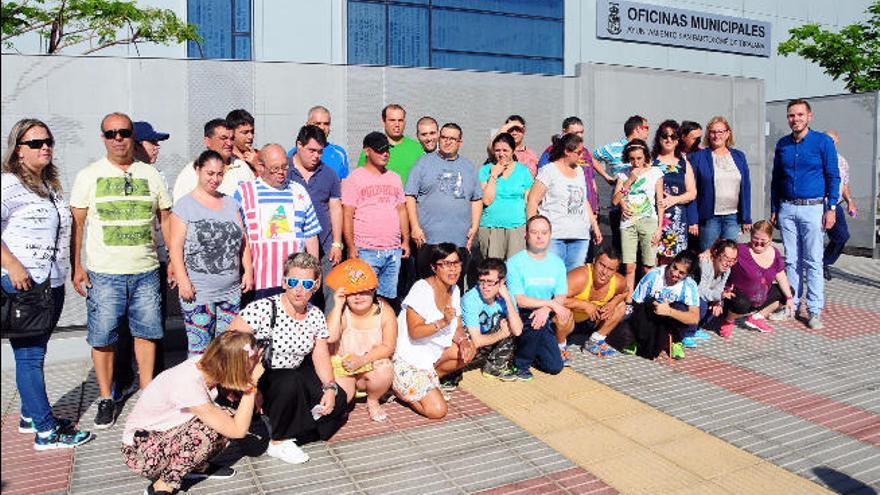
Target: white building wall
<point x="785" y="77"/>
<point x="300" y="31"/>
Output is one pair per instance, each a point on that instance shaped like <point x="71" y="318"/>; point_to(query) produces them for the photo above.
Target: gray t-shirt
<point x="212" y="251"/>
<point x="711" y="284"/>
<point x="565" y="203"/>
<point x="444" y="190"/>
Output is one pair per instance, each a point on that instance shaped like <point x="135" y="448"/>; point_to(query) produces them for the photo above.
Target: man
<point x="839" y="234"/>
<point x="324" y="190"/>
<point x="597" y="298"/>
<point x="404" y="150"/>
<point x="118" y="199"/>
<point x="803" y="194"/>
<point x="334" y="156"/>
<point x="515" y="125"/>
<point x="490" y="316"/>
<point x="242" y="124"/>
<point x="146" y="144"/>
<point x="444" y="201"/>
<point x="536" y="280"/>
<point x="374" y="216"/>
<point x="426" y="133"/>
<point x="218" y="137"/>
<point x="279" y="220"/>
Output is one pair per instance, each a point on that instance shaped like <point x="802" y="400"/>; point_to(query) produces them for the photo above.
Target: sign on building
<point x="658" y="24"/>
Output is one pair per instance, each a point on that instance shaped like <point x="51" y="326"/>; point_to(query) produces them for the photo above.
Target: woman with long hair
<point x="678" y="189"/>
<point x="506" y="184"/>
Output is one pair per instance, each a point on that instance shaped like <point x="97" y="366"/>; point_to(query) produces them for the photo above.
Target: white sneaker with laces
<point x="287" y="451"/>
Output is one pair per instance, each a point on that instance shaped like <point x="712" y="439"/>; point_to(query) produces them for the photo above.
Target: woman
<point x="36" y="234"/>
<point x="301" y="398"/>
<point x="431" y="341"/>
<point x="640" y="195"/>
<point x="363" y="334"/>
<point x="506" y="184"/>
<point x="759" y="283"/>
<point x="176" y="428"/>
<point x="714" y="272"/>
<point x="690" y="134"/>
<point x="678" y="190"/>
<point x="208" y="250"/>
<point x="560" y="194"/>
<point x="722" y="207"/>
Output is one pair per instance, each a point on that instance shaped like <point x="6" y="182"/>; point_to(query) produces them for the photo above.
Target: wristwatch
<point x="337" y="245"/>
<point x="330" y="386"/>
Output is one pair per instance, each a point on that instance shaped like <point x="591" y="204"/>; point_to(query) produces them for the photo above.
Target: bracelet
<point x="331" y="385"/>
<point x="337" y="245"/>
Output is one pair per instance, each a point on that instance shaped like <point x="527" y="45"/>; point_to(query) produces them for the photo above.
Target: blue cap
<point x="143" y="131"/>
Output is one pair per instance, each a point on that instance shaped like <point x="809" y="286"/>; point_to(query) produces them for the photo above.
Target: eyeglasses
<point x="673" y="137"/>
<point x="488" y="283"/>
<point x="36" y="144"/>
<point x="760" y="243"/>
<point x="726" y="260"/>
<point x="449" y="138"/>
<point x="644" y="126"/>
<point x="128" y="186"/>
<point x="307" y="283"/>
<point x="278" y="170"/>
<point x="718" y="133"/>
<point x="112" y="133"/>
<point x="448" y="264"/>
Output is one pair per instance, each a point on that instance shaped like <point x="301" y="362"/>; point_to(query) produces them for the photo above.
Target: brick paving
<point x="803" y="400"/>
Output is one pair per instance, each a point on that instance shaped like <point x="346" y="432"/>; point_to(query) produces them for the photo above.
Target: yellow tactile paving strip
<point x="629" y="445"/>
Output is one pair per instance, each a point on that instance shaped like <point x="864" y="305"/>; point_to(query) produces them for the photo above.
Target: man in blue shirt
<point x="803" y="193"/>
<point x="333" y="156"/>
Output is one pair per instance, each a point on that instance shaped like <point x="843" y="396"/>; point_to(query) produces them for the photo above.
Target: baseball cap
<point x="143" y="131"/>
<point x="354" y="275"/>
<point x="376" y="141"/>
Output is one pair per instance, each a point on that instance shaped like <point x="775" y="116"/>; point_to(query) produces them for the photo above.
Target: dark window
<point x="225" y="26"/>
<point x="503" y="35"/>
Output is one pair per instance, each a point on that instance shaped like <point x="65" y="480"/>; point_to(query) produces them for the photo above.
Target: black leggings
<point x="651" y="330"/>
<point x="741" y="305"/>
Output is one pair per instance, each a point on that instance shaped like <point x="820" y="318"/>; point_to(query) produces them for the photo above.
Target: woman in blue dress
<point x="679" y="189"/>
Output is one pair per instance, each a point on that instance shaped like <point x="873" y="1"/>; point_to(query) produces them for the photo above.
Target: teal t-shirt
<point x="401" y="158"/>
<point x="541" y="279"/>
<point x="508" y="210"/>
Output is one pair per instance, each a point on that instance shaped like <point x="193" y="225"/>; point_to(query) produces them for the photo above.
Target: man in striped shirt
<point x="279" y="218"/>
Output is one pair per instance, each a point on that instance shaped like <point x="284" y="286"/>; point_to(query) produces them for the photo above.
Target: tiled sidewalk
<point x="806" y="401"/>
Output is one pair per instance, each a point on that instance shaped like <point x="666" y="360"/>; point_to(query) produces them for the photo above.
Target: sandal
<point x="380" y="417"/>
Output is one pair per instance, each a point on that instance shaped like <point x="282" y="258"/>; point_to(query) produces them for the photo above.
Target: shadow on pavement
<point x="842" y="483"/>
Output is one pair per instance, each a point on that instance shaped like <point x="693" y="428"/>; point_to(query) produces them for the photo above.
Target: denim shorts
<point x="386" y="264"/>
<point x="112" y="297"/>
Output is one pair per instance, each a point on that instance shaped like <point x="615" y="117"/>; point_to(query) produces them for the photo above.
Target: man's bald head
<point x="276" y="164"/>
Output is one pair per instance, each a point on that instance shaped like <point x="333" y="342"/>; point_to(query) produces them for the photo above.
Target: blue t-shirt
<point x="654" y="284"/>
<point x="541" y="279"/>
<point x="475" y="313"/>
<point x="508" y="210"/>
<point x="322" y="186"/>
<point x="333" y="156"/>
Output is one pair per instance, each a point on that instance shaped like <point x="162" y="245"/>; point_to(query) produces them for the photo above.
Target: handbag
<point x="266" y="343"/>
<point x="30" y="313"/>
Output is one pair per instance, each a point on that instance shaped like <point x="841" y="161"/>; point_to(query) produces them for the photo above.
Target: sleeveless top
<point x="584" y="295"/>
<point x="358" y="342"/>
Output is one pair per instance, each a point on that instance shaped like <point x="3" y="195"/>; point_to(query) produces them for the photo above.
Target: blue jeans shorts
<point x="112" y="297"/>
<point x="386" y="264"/>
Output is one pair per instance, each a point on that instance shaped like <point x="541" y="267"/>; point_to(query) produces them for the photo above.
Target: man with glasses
<point x="334" y="156"/>
<point x="279" y="220"/>
<point x="444" y="201"/>
<point x="804" y="192"/>
<point x="118" y="199"/>
<point x="219" y="138"/>
<point x="492" y="321"/>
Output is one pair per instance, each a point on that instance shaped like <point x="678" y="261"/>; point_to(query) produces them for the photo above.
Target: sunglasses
<point x="112" y="133"/>
<point x="673" y="137"/>
<point x="516" y="129"/>
<point x="307" y="283"/>
<point x="128" y="186"/>
<point x="36" y="144"/>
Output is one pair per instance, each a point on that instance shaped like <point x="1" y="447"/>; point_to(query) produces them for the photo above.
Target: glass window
<point x="225" y="26"/>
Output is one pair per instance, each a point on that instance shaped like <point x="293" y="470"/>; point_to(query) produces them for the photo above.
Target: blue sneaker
<point x="690" y="342"/>
<point x="62" y="437"/>
<point x="524" y="375"/>
<point x="26" y="425"/>
<point x="702" y="335"/>
<point x="600" y="349"/>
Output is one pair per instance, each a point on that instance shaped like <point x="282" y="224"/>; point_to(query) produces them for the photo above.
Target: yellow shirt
<point x="584" y="295"/>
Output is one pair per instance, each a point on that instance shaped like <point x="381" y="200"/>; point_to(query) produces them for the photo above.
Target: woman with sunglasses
<point x="678" y="190"/>
<point x="208" y="250"/>
<point x="36" y="235"/>
<point x="431" y="341"/>
<point x="301" y="397"/>
<point x="759" y="283"/>
<point x="721" y="173"/>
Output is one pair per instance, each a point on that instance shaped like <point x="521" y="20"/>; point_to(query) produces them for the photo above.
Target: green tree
<point x="101" y="23"/>
<point x="853" y="53"/>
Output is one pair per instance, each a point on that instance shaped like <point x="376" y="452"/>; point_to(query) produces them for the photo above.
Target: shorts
<point x="496" y="242"/>
<point x="636" y="238"/>
<point x="386" y="264"/>
<point x="112" y="297"/>
<point x="413" y="384"/>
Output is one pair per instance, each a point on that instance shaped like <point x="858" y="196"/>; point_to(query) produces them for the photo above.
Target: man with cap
<point x="146" y="142"/>
<point x="375" y="224"/>
<point x="403" y="150"/>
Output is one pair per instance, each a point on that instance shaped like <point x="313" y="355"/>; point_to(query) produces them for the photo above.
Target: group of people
<point x="304" y="285"/>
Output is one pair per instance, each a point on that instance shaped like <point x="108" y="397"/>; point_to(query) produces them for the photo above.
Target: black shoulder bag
<point x="266" y="343"/>
<point x="30" y="313"/>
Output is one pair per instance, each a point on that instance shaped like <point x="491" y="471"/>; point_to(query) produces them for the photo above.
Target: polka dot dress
<point x="292" y="339"/>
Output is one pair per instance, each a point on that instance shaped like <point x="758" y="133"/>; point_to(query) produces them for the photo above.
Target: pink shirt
<point x="375" y="198"/>
<point x="165" y="402"/>
<point x="529" y="158"/>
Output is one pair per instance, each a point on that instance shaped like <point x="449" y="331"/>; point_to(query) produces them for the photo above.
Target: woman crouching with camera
<point x="301" y="398"/>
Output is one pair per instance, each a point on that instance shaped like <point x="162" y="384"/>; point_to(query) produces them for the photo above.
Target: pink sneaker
<point x="759" y="324"/>
<point x="726" y="329"/>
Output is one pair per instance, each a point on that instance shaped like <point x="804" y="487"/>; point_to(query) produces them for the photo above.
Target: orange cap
<point x="355" y="275"/>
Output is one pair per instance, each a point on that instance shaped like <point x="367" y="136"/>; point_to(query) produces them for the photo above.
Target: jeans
<point x="572" y="251"/>
<point x="718" y="227"/>
<point x="386" y="264"/>
<point x="837" y="237"/>
<point x="115" y="297"/>
<point x="537" y="347"/>
<point x="802" y="237"/>
<point x="30" y="354"/>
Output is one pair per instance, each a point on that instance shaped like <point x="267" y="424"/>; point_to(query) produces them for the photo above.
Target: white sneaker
<point x="815" y="323"/>
<point x="287" y="451"/>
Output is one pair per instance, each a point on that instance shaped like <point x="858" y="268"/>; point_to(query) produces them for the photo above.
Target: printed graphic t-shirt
<point x="375" y="198"/>
<point x="122" y="207"/>
<point x="565" y="203"/>
<point x="654" y="284"/>
<point x="475" y="313"/>
<point x="642" y="196"/>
